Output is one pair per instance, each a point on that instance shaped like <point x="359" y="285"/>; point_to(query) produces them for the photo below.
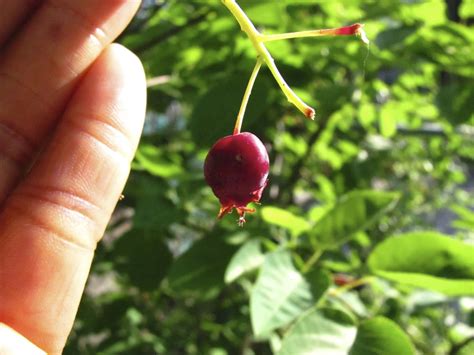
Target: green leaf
<point x="143" y="258"/>
<point x="388" y="119"/>
<point x="218" y="107"/>
<point x="247" y="258"/>
<point x="268" y="13"/>
<point x="326" y="331"/>
<point x="456" y="102"/>
<point x="351" y="301"/>
<point x="427" y="260"/>
<point x="381" y="336"/>
<point x="281" y="293"/>
<point x="152" y="159"/>
<point x="467" y="349"/>
<point x="352" y="213"/>
<point x="394" y="38"/>
<point x="154" y="210"/>
<point x="319" y="281"/>
<point x="466" y="218"/>
<point x="199" y="271"/>
<point x="285" y="219"/>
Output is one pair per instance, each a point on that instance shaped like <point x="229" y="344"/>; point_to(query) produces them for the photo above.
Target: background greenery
<point x="363" y="242"/>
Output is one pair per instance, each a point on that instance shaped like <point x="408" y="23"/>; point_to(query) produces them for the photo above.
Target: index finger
<point x="52" y="221"/>
<point x="13" y="13"/>
<point x="40" y="68"/>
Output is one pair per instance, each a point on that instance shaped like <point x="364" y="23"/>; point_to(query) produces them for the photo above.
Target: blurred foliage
<point x="341" y="256"/>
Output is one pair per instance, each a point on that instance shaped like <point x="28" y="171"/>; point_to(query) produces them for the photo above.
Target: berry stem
<point x="256" y="38"/>
<point x="355" y="29"/>
<point x="245" y="99"/>
<point x="358" y="282"/>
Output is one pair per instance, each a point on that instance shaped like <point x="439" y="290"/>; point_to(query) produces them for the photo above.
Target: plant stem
<point x="351" y="285"/>
<point x="256" y="38"/>
<point x="245" y="99"/>
<point x="312" y="260"/>
<point x="355" y="29"/>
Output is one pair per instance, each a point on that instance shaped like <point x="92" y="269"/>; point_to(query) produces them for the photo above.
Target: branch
<point x="245" y="100"/>
<point x="457" y="347"/>
<point x="256" y="38"/>
<point x="158" y="80"/>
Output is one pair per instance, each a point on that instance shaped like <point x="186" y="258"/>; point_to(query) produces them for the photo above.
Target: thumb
<point x="12" y="343"/>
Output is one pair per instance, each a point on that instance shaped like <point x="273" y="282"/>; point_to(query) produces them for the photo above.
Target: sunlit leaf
<point x="352" y="213"/>
<point x="285" y="219"/>
<point x="153" y="160"/>
<point x="281" y="293"/>
<point x="466" y="218"/>
<point x="247" y="258"/>
<point x="427" y="260"/>
<point x="388" y="120"/>
<point x="326" y="331"/>
<point x="381" y="336"/>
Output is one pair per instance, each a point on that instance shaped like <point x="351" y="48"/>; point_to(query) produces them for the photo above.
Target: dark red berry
<point x="236" y="168"/>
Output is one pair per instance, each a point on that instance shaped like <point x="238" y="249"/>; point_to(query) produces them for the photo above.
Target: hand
<point x="71" y="112"/>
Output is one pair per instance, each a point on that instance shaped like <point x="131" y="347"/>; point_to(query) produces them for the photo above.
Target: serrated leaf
<point x="352" y="213"/>
<point x="281" y="293"/>
<point x="381" y="336"/>
<point x="326" y="331"/>
<point x="285" y="219"/>
<point x="247" y="258"/>
<point x="199" y="271"/>
<point x="427" y="260"/>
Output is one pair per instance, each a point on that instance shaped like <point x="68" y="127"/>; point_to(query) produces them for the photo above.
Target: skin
<point x="71" y="112"/>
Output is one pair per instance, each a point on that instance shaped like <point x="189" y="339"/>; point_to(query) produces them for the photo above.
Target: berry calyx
<point x="236" y="168"/>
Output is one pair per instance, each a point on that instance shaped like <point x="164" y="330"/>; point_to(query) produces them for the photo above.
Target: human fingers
<point x="52" y="221"/>
<point x="40" y="68"/>
<point x="13" y="343"/>
<point x="13" y="14"/>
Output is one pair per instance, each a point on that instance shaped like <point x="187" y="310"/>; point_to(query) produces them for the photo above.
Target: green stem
<point x="312" y="260"/>
<point x="256" y="38"/>
<point x="245" y="99"/>
<point x="351" y="285"/>
<point x="355" y="29"/>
